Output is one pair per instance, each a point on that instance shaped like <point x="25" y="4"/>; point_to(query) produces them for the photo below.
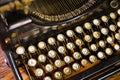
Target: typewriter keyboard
<point x="73" y="50"/>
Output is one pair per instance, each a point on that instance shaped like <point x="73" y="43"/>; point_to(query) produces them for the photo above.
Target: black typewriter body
<point x="83" y="44"/>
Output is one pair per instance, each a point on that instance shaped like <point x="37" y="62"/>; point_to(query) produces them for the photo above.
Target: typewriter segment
<point x="71" y="50"/>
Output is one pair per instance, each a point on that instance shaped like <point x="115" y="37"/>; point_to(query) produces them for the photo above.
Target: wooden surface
<point x="5" y="71"/>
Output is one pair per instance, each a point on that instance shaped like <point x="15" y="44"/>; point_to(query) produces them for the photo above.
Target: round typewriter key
<point x="39" y="72"/>
<point x="67" y="59"/>
<point x="102" y="43"/>
<point x="84" y="62"/>
<point x="96" y="22"/>
<point x="114" y="3"/>
<point x="101" y="55"/>
<point x="70" y="46"/>
<point x="58" y="63"/>
<point x="58" y="75"/>
<point x="85" y="51"/>
<point x="47" y="78"/>
<point x="104" y="19"/>
<point x="32" y="62"/>
<point x="94" y="47"/>
<point x="67" y="71"/>
<point x="92" y="58"/>
<point x="79" y="42"/>
<point x="109" y="51"/>
<point x="117" y="47"/>
<point x="52" y="54"/>
<point x="32" y="49"/>
<point x="77" y="55"/>
<point x="61" y="49"/>
<point x="88" y="38"/>
<point x="96" y="34"/>
<point x="110" y="40"/>
<point x="51" y="41"/>
<point x="112" y="27"/>
<point x="70" y="33"/>
<point x="87" y="25"/>
<point x="113" y="15"/>
<point x="76" y="66"/>
<point x="41" y="58"/>
<point x="42" y="45"/>
<point x="79" y="29"/>
<point x="20" y="50"/>
<point x="49" y="68"/>
<point x="104" y="31"/>
<point x="118" y="23"/>
<point x="118" y="11"/>
<point x="61" y="37"/>
<point x="117" y="36"/>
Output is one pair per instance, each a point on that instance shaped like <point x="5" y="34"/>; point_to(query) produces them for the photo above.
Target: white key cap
<point x="61" y="49"/>
<point x="52" y="54"/>
<point x="79" y="29"/>
<point x="32" y="62"/>
<point x="96" y="22"/>
<point x="92" y="58"/>
<point x="70" y="46"/>
<point x="108" y="51"/>
<point x="88" y="26"/>
<point x="101" y="55"/>
<point x="42" y="45"/>
<point x="117" y="36"/>
<point x="77" y="55"/>
<point x="102" y="43"/>
<point x="104" y="19"/>
<point x="67" y="59"/>
<point x="78" y="42"/>
<point x="32" y="49"/>
<point x="51" y="41"/>
<point x="117" y="47"/>
<point x="113" y="15"/>
<point x="58" y="75"/>
<point x="94" y="47"/>
<point x="85" y="51"/>
<point x="96" y="34"/>
<point x="118" y="11"/>
<point x="61" y="37"/>
<point x="58" y="63"/>
<point x="49" y="68"/>
<point x="113" y="27"/>
<point x="84" y="62"/>
<point x="70" y="33"/>
<point x="67" y="71"/>
<point x="110" y="40"/>
<point x="76" y="66"/>
<point x="118" y="23"/>
<point x="20" y="50"/>
<point x="88" y="38"/>
<point x="104" y="31"/>
<point x="41" y="58"/>
<point x="39" y="72"/>
<point x="47" y="78"/>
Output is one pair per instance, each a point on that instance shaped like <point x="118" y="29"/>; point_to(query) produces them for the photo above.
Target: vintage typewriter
<point x="61" y="39"/>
